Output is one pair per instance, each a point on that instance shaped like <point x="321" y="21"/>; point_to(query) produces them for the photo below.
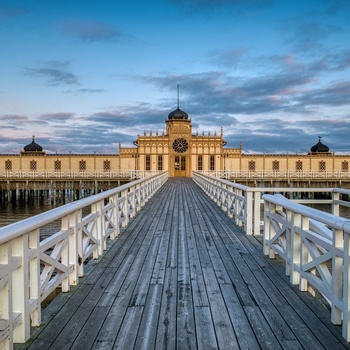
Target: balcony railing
<point x="75" y="175"/>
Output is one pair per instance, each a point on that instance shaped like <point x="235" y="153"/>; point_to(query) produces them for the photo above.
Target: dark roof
<point x="178" y="114"/>
<point x="33" y="147"/>
<point x="319" y="147"/>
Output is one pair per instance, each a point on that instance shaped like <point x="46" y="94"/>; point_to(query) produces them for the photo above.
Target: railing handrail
<point x="328" y="219"/>
<point x="278" y="174"/>
<point x="75" y="174"/>
<point x="16" y="229"/>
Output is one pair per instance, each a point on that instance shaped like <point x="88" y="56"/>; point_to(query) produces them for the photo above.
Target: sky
<point x="84" y="76"/>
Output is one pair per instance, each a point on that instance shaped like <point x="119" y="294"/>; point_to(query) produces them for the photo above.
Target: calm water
<point x="15" y="211"/>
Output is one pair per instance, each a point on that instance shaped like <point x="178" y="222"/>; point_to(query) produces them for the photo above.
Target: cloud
<point x="58" y="118"/>
<point x="243" y="6"/>
<point x="12" y="11"/>
<point x="309" y="36"/>
<point x="84" y="91"/>
<point x="54" y="74"/>
<point x="90" y="30"/>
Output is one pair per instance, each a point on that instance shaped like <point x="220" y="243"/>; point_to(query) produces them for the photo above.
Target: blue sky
<point x="84" y="76"/>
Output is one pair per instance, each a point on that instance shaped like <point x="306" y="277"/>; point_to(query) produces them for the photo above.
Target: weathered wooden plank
<point x="166" y="332"/>
<point x="225" y="334"/>
<point x="243" y="329"/>
<point x="186" y="337"/>
<point x="146" y="338"/>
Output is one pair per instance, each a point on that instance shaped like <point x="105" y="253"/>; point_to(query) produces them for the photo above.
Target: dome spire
<point x="178" y="96"/>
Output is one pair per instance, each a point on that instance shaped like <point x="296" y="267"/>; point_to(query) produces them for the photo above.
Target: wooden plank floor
<point x="183" y="276"/>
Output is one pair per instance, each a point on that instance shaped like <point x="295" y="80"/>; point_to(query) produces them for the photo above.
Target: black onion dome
<point x="319" y="147"/>
<point x="33" y="147"/>
<point x="178" y="114"/>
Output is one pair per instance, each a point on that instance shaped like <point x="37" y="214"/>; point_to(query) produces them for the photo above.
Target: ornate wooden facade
<point x="177" y="150"/>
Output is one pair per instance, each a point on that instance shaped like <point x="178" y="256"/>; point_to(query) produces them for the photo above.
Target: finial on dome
<point x="178" y="96"/>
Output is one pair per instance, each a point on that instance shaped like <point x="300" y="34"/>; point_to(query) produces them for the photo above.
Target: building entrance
<point x="180" y="166"/>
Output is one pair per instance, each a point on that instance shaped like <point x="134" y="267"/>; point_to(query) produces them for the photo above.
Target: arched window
<point x="148" y="162"/>
<point x="212" y="163"/>
<point x="299" y="165"/>
<point x="345" y="166"/>
<point x="106" y="165"/>
<point x="160" y="162"/>
<point x="251" y="165"/>
<point x="57" y="165"/>
<point x="322" y="165"/>
<point x="8" y="165"/>
<point x="82" y="165"/>
<point x="200" y="163"/>
<point x="33" y="165"/>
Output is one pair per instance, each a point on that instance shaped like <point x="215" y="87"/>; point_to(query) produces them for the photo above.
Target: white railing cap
<point x="318" y="215"/>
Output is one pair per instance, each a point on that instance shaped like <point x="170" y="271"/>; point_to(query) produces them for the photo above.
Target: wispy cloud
<point x="54" y="73"/>
<point x="84" y="91"/>
<point x="90" y="30"/>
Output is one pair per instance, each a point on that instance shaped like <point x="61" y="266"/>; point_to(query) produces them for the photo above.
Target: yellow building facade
<point x="177" y="150"/>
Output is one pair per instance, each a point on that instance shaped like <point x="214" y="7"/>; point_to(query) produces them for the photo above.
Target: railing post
<point x="113" y="200"/>
<point x="20" y="287"/>
<point x="269" y="208"/>
<point x="249" y="213"/>
<point x="257" y="212"/>
<point x="238" y="206"/>
<point x="295" y="241"/>
<point x="6" y="307"/>
<point x="346" y="289"/>
<point x="70" y="255"/>
<point x="34" y="281"/>
<point x="335" y="206"/>
<point x="96" y="209"/>
<point x="337" y="275"/>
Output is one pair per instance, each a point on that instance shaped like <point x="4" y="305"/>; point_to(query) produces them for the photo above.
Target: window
<point x="276" y="165"/>
<point x="183" y="163"/>
<point x="148" y="162"/>
<point x="251" y="165"/>
<point x="82" y="165"/>
<point x="8" y="165"/>
<point x="212" y="163"/>
<point x="160" y="162"/>
<point x="299" y="165"/>
<point x="345" y="166"/>
<point x="322" y="165"/>
<point x="200" y="163"/>
<point x="57" y="165"/>
<point x="106" y="165"/>
<point x="33" y="165"/>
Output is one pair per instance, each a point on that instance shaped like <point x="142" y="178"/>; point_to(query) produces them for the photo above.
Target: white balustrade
<point x="71" y="174"/>
<point x="315" y="247"/>
<point x="31" y="268"/>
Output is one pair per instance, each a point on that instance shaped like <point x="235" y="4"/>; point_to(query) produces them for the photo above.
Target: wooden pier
<point x="183" y="276"/>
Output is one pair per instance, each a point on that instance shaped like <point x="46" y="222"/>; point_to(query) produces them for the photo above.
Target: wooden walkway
<point x="183" y="276"/>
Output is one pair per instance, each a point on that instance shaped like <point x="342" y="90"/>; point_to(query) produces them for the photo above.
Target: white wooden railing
<point x="72" y="174"/>
<point x="272" y="174"/>
<point x="31" y="268"/>
<point x="315" y="247"/>
<point x="244" y="203"/>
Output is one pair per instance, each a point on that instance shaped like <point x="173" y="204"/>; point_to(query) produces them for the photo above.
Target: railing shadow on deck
<point x="32" y="268"/>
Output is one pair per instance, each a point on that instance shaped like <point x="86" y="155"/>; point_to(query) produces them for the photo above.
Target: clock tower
<point x="179" y="130"/>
